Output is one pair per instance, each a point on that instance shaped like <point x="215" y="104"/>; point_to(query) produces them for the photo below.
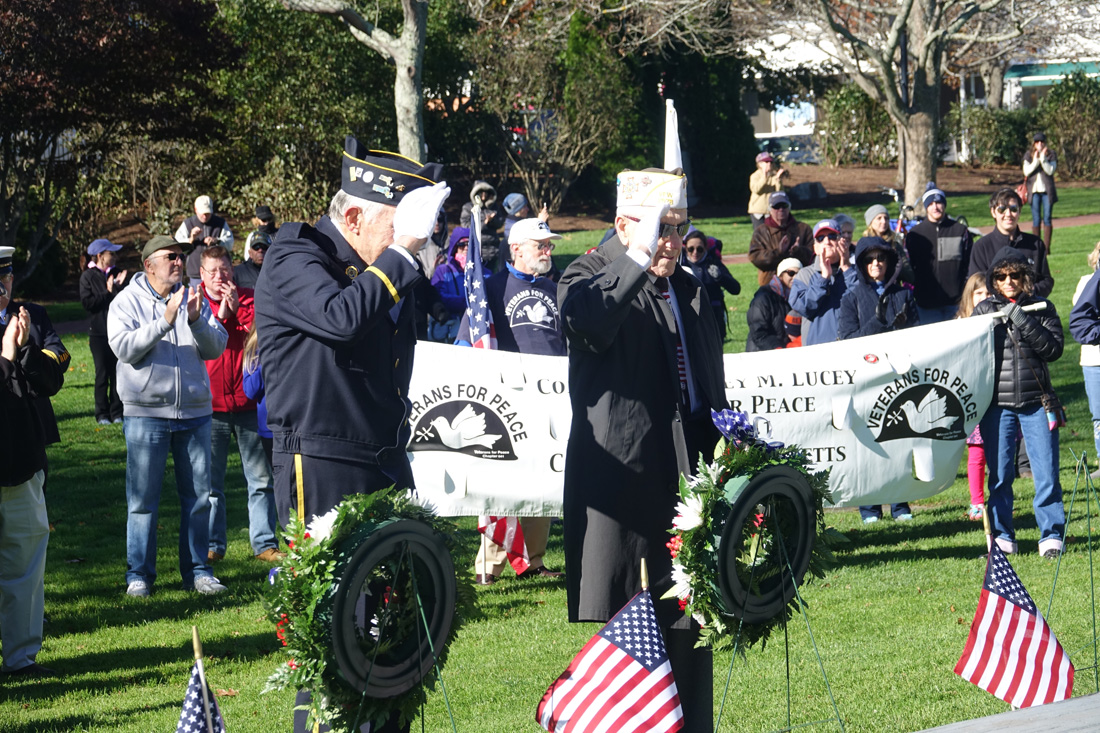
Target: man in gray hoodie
<point x="162" y="332"/>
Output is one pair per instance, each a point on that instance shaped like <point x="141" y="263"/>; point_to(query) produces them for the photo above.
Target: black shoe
<point x="485" y="579"/>
<point x="34" y="669"/>
<point x="540" y="572"/>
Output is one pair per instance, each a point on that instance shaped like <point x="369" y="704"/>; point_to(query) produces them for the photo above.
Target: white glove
<point x="648" y="230"/>
<point x="416" y="214"/>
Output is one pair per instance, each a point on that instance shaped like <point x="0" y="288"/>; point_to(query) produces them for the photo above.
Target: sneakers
<point x="976" y="513"/>
<point x="870" y="520"/>
<point x="907" y="517"/>
<point x="271" y="554"/>
<point x="103" y="421"/>
<point x="208" y="585"/>
<point x="137" y="589"/>
<point x="1050" y="548"/>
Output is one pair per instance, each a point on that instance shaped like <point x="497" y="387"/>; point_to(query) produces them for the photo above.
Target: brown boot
<point x="1046" y="237"/>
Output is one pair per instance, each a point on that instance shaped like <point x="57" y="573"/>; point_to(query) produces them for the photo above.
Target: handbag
<point x="1056" y="414"/>
<point x="1021" y="191"/>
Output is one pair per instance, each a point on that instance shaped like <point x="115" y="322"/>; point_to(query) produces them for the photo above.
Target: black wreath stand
<point x="770" y="513"/>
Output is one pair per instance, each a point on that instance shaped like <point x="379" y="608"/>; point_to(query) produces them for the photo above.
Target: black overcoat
<point x="631" y="437"/>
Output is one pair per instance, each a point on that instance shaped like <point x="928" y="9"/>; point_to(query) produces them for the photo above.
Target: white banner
<point x="889" y="414"/>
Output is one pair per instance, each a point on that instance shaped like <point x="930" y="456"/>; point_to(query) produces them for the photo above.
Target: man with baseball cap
<point x="162" y="331"/>
<point x="99" y="284"/>
<point x="645" y="370"/>
<point x="816" y="290"/>
<point x="203" y="230"/>
<point x="780" y="236"/>
<point x="768" y="178"/>
<point x="335" y="317"/>
<point x="939" y="251"/>
<point x="524" y="306"/>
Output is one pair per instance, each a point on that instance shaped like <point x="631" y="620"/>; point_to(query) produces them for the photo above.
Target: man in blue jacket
<point x="816" y="290"/>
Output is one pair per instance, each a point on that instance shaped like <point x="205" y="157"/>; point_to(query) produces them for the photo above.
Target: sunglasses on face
<point x="173" y="256"/>
<point x="822" y="237"/>
<point x="544" y="246"/>
<point x="790" y="273"/>
<point x="667" y="229"/>
<point x="877" y="257"/>
<point x="780" y="207"/>
<point x="1013" y="208"/>
<point x="1002" y="276"/>
<point x="696" y="250"/>
<point x="259" y="247"/>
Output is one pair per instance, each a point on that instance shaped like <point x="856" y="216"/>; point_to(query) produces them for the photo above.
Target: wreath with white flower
<point x="749" y="525"/>
<point x="327" y="582"/>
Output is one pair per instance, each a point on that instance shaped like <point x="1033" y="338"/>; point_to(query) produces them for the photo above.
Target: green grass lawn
<point x="889" y="623"/>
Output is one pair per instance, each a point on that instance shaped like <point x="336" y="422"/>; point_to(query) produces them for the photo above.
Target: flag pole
<point x="202" y="679"/>
<point x="645" y="575"/>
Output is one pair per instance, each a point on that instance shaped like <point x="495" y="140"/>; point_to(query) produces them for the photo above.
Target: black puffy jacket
<point x="1021" y="372"/>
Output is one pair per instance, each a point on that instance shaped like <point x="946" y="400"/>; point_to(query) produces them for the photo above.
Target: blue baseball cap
<point x="102" y="245"/>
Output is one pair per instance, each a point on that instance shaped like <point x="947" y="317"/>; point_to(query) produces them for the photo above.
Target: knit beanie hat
<point x="871" y="213"/>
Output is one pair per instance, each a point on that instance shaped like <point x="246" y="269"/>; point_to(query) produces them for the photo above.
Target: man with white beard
<point x="524" y="304"/>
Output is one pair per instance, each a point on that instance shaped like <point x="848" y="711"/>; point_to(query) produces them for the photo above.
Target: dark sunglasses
<point x="1002" y="276"/>
<point x="260" y="247"/>
<point x="668" y="229"/>
<point x="790" y="273"/>
<point x="1013" y="208"/>
<point x="822" y="237"/>
<point x="877" y="257"/>
<point x="696" y="250"/>
<point x="173" y="256"/>
<point x="545" y="246"/>
<point x="779" y="207"/>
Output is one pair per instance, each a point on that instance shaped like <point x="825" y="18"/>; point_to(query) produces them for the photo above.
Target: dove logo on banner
<point x="465" y="427"/>
<point x="926" y="411"/>
<point x="532" y="309"/>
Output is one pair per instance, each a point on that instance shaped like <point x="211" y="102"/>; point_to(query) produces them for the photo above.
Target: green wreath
<point x="736" y="537"/>
<point x="345" y="607"/>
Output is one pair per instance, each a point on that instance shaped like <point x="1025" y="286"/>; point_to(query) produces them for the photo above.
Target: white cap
<point x="525" y="229"/>
<point x="789" y="263"/>
<point x="652" y="188"/>
<point x="203" y="205"/>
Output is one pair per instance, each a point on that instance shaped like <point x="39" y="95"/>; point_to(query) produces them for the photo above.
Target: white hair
<point x="342" y="202"/>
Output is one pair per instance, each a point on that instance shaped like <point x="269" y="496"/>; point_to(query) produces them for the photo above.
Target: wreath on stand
<point x="749" y="526"/>
<point x="366" y="601"/>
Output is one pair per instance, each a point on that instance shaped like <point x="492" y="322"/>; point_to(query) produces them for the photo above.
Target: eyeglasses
<point x="1013" y="208"/>
<point x="173" y="256"/>
<point x="1002" y="276"/>
<point x="667" y="229"/>
<point x="822" y="237"/>
<point x="222" y="272"/>
<point x="780" y="207"/>
<point x="696" y="250"/>
<point x="259" y="247"/>
<point x="790" y="273"/>
<point x="877" y="257"/>
<point x="543" y="246"/>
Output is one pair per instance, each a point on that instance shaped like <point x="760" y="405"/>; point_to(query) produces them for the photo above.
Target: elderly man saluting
<point x="645" y="369"/>
<point x="334" y="314"/>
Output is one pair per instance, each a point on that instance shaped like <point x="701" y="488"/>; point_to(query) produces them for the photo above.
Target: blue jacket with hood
<point x="864" y="311"/>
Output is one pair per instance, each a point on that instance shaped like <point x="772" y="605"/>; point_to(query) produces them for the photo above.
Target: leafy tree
<point x="74" y="73"/>
<point x="1071" y="110"/>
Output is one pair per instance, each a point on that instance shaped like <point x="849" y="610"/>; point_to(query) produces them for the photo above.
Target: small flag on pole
<point x="1011" y="653"/>
<point x="620" y="682"/>
<point x="508" y="533"/>
<point x="483" y="334"/>
<point x="196" y="716"/>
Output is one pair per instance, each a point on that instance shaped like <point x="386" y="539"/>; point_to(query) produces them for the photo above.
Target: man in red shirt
<point x="235" y="414"/>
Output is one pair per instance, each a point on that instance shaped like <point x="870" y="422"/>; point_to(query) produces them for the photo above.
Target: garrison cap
<point x="5" y="260"/>
<point x="375" y="175"/>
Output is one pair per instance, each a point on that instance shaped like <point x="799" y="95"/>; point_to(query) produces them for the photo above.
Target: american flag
<point x="621" y="681"/>
<point x="192" y="718"/>
<point x="1011" y="652"/>
<point x="483" y="334"/>
<point x="508" y="533"/>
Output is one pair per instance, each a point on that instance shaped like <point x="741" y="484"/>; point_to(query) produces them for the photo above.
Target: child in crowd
<point x="974" y="292"/>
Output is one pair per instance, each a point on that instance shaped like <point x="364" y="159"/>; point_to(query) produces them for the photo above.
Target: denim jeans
<point x="1040" y="204"/>
<point x="257" y="474"/>
<point x="999" y="428"/>
<point x="148" y="442"/>
<point x="1092" y="389"/>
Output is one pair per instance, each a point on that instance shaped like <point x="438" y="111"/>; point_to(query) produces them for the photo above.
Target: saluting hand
<point x="648" y="231"/>
<point x="414" y="220"/>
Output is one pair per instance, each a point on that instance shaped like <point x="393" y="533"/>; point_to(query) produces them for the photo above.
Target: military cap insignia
<point x="383" y="177"/>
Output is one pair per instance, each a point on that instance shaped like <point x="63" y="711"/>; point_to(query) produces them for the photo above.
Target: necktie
<point x="681" y="363"/>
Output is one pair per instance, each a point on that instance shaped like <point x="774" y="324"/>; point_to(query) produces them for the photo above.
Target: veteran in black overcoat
<point x="637" y="425"/>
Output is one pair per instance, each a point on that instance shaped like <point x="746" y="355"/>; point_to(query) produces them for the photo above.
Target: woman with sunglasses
<point x="1004" y="207"/>
<point x="1023" y="344"/>
<point x="707" y="266"/>
<point x="877" y="304"/>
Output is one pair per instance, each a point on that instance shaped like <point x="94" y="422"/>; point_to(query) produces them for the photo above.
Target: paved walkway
<point x="1076" y="715"/>
<point x="1068" y="221"/>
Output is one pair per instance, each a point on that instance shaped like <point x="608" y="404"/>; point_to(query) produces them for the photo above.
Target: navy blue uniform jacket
<point x="336" y="340"/>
